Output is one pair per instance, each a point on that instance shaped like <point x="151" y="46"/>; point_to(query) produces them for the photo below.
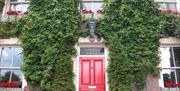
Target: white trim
<point x="77" y="62"/>
<point x="161" y="80"/>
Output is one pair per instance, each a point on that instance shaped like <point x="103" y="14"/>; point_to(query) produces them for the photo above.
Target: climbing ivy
<point x="7" y="29"/>
<point x="171" y="25"/>
<point x="48" y="35"/>
<point x="1" y="5"/>
<point x="132" y="29"/>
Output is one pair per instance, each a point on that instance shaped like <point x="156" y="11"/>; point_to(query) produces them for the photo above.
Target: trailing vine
<point x="48" y="35"/>
<point x="132" y="29"/>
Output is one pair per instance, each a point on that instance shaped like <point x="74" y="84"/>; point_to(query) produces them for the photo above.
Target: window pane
<point x="6" y="57"/>
<point x="17" y="57"/>
<point x="11" y="78"/>
<point x="92" y="51"/>
<point x="177" y="55"/>
<point x="178" y="75"/>
<point x="19" y="7"/>
<point x="19" y="0"/>
<point x="87" y="5"/>
<point x="15" y="7"/>
<point x="161" y="6"/>
<point x="16" y="77"/>
<point x="97" y="6"/>
<point x="169" y="77"/>
<point x="171" y="6"/>
<point x="94" y="6"/>
<point x="5" y="75"/>
<point x="166" y="57"/>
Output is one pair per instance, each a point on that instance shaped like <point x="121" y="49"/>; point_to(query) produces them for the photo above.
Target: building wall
<point x="153" y="84"/>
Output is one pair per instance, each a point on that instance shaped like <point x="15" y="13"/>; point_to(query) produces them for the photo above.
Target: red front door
<point x="92" y="74"/>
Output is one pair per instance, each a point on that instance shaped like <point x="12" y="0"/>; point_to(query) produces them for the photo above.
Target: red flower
<point x="85" y="11"/>
<point x="170" y="12"/>
<point x="100" y="11"/>
<point x="13" y="12"/>
<point x="171" y="84"/>
<point x="8" y="84"/>
<point x="26" y="12"/>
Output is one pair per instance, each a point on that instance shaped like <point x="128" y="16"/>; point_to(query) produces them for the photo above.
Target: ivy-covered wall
<point x="131" y="28"/>
<point x="7" y="29"/>
<point x="48" y="35"/>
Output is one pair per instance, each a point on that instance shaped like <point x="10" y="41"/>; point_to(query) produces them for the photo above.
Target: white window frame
<point x="169" y="68"/>
<point x="11" y="68"/>
<point x="165" y="4"/>
<point x="92" y="3"/>
<point x="21" y="3"/>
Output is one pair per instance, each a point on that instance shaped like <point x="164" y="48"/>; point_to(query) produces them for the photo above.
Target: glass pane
<point x="92" y="51"/>
<point x="161" y="6"/>
<point x="177" y="56"/>
<point x="87" y="5"/>
<point x="11" y="78"/>
<point x="15" y="7"/>
<point x="178" y="75"/>
<point x="169" y="77"/>
<point x="94" y="6"/>
<point x="24" y="7"/>
<point x="171" y="6"/>
<point x="19" y="0"/>
<point x="16" y="77"/>
<point x="19" y="7"/>
<point x="166" y="57"/>
<point x="6" y="57"/>
<point x="5" y="75"/>
<point x="97" y="6"/>
<point x="17" y="57"/>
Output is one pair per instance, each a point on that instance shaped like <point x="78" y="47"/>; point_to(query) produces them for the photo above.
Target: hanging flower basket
<point x="85" y="11"/>
<point x="100" y="11"/>
<point x="170" y="12"/>
<point x="15" y="12"/>
<point x="8" y="84"/>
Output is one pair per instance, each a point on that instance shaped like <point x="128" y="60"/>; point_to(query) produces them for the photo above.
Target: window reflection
<point x="10" y="73"/>
<point x="178" y="75"/>
<point x="177" y="56"/>
<point x="5" y="75"/>
<point x="171" y="6"/>
<point x="169" y="75"/>
<point x="94" y="6"/>
<point x="167" y="6"/>
<point x="17" y="57"/>
<point x="170" y="66"/>
<point x="19" y="7"/>
<point x="19" y="0"/>
<point x="6" y="57"/>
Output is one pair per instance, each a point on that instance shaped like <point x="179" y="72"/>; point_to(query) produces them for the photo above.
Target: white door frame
<point x="77" y="62"/>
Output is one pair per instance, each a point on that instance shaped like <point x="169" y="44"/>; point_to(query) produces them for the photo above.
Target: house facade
<point x="91" y="61"/>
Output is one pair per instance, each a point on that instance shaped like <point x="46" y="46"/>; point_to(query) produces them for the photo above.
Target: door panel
<point x="98" y="70"/>
<point x="85" y="72"/>
<point x="92" y="74"/>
